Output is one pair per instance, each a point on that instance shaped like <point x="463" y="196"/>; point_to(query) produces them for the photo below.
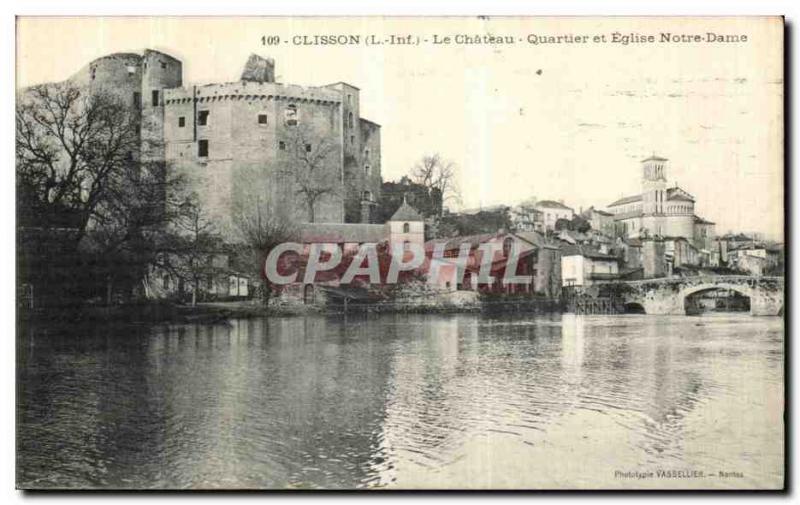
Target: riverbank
<point x="221" y="312"/>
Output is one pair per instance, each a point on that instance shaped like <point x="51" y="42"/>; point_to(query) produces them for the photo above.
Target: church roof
<point x="676" y="193"/>
<point x="627" y="199"/>
<point x="700" y="220"/>
<point x="406" y="213"/>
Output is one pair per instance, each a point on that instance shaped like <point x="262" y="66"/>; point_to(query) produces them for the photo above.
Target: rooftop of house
<point x="552" y="204"/>
<point x="406" y="213"/>
<point x="337" y="233"/>
<point x="586" y="252"/>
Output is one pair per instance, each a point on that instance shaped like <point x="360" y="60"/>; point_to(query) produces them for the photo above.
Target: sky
<point x="561" y="121"/>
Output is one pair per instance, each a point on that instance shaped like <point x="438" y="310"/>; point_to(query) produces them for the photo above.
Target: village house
<point x="535" y="257"/>
<point x="600" y="221"/>
<point x="552" y="211"/>
<point x="404" y="228"/>
<point x="581" y="266"/>
<point x="755" y="258"/>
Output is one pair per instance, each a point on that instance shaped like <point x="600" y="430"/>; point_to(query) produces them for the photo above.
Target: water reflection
<point x="401" y="401"/>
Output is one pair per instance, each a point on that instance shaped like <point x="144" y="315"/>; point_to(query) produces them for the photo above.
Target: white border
<point x="789" y="8"/>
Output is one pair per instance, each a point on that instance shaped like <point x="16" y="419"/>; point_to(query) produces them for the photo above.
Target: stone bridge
<point x="668" y="295"/>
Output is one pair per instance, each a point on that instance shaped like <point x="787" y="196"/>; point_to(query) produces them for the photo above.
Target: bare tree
<point x="311" y="167"/>
<point x="439" y="176"/>
<point x="70" y="145"/>
<point x="264" y="219"/>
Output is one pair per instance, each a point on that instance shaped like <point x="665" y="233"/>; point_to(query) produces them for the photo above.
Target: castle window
<point x="202" y="148"/>
<point x="349" y="99"/>
<point x="163" y="65"/>
<point x="138" y="129"/>
<point x="367" y="195"/>
<point x="290" y="115"/>
<point x="165" y="282"/>
<point x="406" y="227"/>
<point x="366" y="153"/>
<point x="131" y="70"/>
<point x="352" y="140"/>
<point x="93" y="70"/>
<point x="181" y="122"/>
<point x="155" y="97"/>
<point x="137" y="99"/>
<point x="262" y="119"/>
<point x="282" y="145"/>
<point x="308" y="148"/>
<point x="350" y="120"/>
<point x="367" y="170"/>
<point x="202" y="117"/>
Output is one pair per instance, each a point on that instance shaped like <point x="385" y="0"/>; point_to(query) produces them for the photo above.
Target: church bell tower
<point x="654" y="185"/>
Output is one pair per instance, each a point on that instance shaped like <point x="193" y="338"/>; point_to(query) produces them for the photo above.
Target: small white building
<point x="552" y="211"/>
<point x="581" y="266"/>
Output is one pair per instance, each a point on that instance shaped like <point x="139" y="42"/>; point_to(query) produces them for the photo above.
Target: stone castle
<point x="243" y="141"/>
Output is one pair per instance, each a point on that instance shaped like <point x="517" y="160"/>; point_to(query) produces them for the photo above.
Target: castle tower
<point x="654" y="185"/>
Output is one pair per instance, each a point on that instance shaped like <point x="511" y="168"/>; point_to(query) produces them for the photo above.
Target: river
<point x="405" y="401"/>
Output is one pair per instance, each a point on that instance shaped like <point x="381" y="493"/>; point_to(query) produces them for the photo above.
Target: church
<point x="660" y="210"/>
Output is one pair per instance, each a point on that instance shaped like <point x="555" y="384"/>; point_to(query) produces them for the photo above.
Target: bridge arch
<point x="742" y="289"/>
<point x="668" y="295"/>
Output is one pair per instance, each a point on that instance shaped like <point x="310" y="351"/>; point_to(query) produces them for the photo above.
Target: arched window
<point x="406" y="227"/>
<point x="350" y="120"/>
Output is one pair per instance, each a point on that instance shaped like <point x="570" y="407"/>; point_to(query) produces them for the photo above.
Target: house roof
<point x="586" y="252"/>
<point x="342" y="233"/>
<point x="406" y="213"/>
<point x="552" y="204"/>
<point x="626" y="199"/>
<point x="535" y="238"/>
<point x="455" y="242"/>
